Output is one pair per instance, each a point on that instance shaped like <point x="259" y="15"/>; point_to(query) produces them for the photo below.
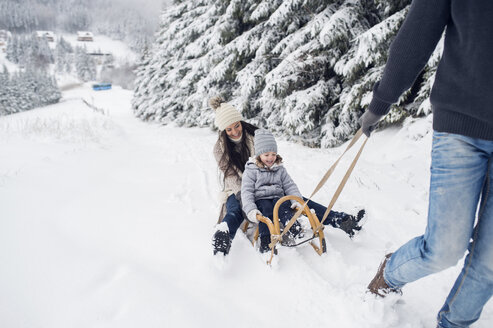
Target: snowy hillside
<point x="104" y="44"/>
<point x="106" y="221"/>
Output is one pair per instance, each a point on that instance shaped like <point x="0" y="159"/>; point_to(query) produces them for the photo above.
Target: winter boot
<point x="360" y="215"/>
<point x="378" y="286"/>
<point x="350" y="223"/>
<point x="221" y="241"/>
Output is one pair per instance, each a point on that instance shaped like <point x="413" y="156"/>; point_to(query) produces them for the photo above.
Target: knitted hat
<point x="264" y="142"/>
<point x="226" y="114"/>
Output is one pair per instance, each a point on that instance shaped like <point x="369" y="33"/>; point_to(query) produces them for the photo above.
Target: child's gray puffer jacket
<point x="265" y="183"/>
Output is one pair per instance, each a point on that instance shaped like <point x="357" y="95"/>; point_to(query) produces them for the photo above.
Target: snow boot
<point x="378" y="286"/>
<point x="350" y="223"/>
<point x="360" y="215"/>
<point x="221" y="241"/>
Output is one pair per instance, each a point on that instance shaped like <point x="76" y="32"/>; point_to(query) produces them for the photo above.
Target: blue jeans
<point x="461" y="174"/>
<point x="234" y="215"/>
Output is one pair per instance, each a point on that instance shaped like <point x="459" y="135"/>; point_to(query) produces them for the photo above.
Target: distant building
<point x="84" y="36"/>
<point x="48" y="35"/>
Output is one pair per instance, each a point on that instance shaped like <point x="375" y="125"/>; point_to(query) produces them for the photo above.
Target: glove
<point x="368" y="121"/>
<point x="252" y="216"/>
<point x="295" y="205"/>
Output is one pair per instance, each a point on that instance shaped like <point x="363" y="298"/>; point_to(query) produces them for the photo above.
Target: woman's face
<point x="234" y="131"/>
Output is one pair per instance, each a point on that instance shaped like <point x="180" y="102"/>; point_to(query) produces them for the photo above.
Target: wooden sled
<point x="275" y="227"/>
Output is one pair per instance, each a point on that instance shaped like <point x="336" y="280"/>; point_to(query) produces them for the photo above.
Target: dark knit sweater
<point x="462" y="95"/>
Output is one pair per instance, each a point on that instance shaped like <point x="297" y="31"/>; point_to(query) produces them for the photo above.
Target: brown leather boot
<point x="378" y="286"/>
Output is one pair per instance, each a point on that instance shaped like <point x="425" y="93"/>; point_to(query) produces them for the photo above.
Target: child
<point x="264" y="181"/>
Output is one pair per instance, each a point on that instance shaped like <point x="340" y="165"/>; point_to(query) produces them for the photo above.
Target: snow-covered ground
<point x="106" y="221"/>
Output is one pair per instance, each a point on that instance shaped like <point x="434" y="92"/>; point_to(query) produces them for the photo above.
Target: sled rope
<point x="342" y="184"/>
<point x="324" y="180"/>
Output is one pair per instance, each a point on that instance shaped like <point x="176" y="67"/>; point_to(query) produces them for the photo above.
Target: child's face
<point x="268" y="158"/>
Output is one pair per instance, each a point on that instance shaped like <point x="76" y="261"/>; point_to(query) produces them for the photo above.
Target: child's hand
<point x="252" y="216"/>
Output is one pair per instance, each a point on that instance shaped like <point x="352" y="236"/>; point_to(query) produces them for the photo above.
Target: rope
<point x="324" y="180"/>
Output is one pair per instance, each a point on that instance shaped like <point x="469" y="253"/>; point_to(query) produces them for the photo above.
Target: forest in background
<point x="131" y="21"/>
<point x="38" y="60"/>
<point x="304" y="69"/>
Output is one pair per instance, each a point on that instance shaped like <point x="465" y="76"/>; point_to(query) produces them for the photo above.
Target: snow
<point x="106" y="221"/>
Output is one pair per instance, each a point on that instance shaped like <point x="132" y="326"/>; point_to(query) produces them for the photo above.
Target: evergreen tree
<point x="28" y="50"/>
<point x="26" y="89"/>
<point x="117" y="19"/>
<point x="4" y="91"/>
<point x="84" y="65"/>
<point x="64" y="53"/>
<point x="13" y="49"/>
<point x="302" y="68"/>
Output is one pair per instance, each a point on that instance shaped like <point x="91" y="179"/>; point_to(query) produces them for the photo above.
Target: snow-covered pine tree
<point x="84" y="65"/>
<point x="4" y="91"/>
<point x="26" y="89"/>
<point x="18" y="16"/>
<point x="360" y="68"/>
<point x="43" y="55"/>
<point x="28" y="50"/>
<point x="64" y="57"/>
<point x="13" y="48"/>
<point x="300" y="90"/>
<point x="142" y="76"/>
<point x="301" y="68"/>
<point x="38" y="89"/>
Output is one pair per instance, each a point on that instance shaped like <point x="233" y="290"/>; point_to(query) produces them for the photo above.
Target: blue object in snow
<point x="101" y="86"/>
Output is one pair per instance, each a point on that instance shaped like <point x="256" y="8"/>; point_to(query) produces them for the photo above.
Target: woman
<point x="234" y="146"/>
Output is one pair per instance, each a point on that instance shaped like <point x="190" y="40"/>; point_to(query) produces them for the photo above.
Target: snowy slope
<point x="104" y="44"/>
<point x="106" y="221"/>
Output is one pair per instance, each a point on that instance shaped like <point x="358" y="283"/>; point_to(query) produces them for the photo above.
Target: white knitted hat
<point x="226" y="114"/>
<point x="264" y="142"/>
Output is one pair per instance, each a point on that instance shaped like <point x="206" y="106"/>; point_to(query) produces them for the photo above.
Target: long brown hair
<point x="232" y="161"/>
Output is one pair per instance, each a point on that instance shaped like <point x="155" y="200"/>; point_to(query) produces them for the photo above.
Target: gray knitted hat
<point x="264" y="142"/>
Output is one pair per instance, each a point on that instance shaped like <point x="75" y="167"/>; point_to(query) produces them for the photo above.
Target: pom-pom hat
<point x="264" y="142"/>
<point x="226" y="114"/>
